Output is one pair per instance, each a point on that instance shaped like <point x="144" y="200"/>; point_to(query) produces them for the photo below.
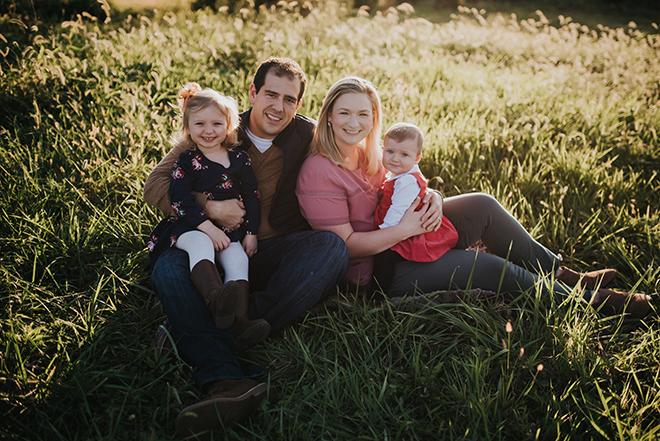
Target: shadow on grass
<point x="112" y="386"/>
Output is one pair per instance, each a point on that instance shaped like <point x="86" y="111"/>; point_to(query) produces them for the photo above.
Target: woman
<point x="338" y="191"/>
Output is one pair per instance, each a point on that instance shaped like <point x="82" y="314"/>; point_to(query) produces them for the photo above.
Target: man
<point x="293" y="269"/>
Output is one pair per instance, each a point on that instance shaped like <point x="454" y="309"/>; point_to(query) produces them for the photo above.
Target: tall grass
<point x="558" y="122"/>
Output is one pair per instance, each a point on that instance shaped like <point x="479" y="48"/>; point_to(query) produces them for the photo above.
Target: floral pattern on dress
<point x="176" y="206"/>
<point x="151" y="244"/>
<point x="197" y="163"/>
<point x="227" y="185"/>
<point x="177" y="172"/>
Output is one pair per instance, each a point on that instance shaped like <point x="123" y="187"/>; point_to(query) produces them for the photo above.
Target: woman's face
<point x="351" y="119"/>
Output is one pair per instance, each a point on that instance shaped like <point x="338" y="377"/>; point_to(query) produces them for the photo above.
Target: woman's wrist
<point x="400" y="232"/>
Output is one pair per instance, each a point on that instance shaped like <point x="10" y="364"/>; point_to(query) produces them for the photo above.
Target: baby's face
<point x="400" y="157"/>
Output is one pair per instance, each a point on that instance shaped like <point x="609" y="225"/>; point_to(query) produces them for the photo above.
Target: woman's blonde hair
<point x="324" y="143"/>
<point x="192" y="98"/>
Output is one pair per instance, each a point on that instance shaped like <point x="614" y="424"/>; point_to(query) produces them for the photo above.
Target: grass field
<point x="558" y="121"/>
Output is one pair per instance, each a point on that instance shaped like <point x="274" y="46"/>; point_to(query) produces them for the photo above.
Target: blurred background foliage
<point x="32" y="12"/>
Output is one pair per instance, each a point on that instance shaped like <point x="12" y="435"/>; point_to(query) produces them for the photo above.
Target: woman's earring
<point x="329" y="125"/>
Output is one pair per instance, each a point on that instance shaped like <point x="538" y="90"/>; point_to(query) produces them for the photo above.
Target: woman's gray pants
<point x="516" y="263"/>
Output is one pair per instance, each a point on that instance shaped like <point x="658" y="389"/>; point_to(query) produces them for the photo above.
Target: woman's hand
<point x="412" y="222"/>
<point x="432" y="213"/>
<point x="218" y="237"/>
<point x="250" y="244"/>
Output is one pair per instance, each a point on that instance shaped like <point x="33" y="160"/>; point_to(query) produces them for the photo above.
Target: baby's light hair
<point x="192" y="98"/>
<point x="400" y="132"/>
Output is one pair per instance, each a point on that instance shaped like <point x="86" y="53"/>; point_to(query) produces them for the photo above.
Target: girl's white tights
<point x="199" y="246"/>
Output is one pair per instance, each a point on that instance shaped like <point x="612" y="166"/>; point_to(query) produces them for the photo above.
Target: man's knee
<point x="333" y="250"/>
<point x="170" y="268"/>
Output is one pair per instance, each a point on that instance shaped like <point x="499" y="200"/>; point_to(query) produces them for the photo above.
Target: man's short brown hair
<point x="280" y="67"/>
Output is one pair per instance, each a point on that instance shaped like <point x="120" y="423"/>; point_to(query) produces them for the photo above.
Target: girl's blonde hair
<point x="324" y="143"/>
<point x="192" y="98"/>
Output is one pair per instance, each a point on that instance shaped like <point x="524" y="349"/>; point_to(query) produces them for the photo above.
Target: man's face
<point x="274" y="106"/>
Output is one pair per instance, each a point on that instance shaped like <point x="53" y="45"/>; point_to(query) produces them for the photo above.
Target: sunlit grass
<point x="149" y="5"/>
<point x="557" y="120"/>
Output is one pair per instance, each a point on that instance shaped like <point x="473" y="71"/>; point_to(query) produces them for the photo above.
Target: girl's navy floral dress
<point x="194" y="172"/>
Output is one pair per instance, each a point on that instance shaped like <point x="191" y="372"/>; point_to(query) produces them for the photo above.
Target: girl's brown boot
<point x="246" y="332"/>
<point x="220" y="300"/>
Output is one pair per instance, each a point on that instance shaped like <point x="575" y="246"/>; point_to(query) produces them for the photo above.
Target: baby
<point x="402" y="151"/>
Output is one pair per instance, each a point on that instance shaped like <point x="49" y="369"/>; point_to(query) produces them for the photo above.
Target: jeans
<point x="292" y="273"/>
<point x="517" y="262"/>
<point x="289" y="274"/>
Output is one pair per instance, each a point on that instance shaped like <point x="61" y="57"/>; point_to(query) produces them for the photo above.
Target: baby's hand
<point x="250" y="244"/>
<point x="218" y="237"/>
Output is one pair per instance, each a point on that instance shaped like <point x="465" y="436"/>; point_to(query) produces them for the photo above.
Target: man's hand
<point x="432" y="219"/>
<point x="227" y="213"/>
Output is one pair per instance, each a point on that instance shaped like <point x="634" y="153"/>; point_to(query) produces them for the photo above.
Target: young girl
<point x="402" y="150"/>
<point x="210" y="166"/>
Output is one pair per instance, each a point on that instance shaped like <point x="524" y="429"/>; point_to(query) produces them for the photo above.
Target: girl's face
<point x="400" y="157"/>
<point x="207" y="129"/>
<point x="351" y="118"/>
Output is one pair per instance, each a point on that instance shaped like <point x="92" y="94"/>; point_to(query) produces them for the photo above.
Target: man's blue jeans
<point x="288" y="275"/>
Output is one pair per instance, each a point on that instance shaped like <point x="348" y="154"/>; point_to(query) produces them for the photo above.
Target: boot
<point x="617" y="302"/>
<point x="246" y="332"/>
<point x="220" y="301"/>
<point x="226" y="402"/>
<point x="589" y="280"/>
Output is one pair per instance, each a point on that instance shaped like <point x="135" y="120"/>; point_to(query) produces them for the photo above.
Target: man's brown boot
<point x="590" y="280"/>
<point x="220" y="301"/>
<point x="226" y="402"/>
<point x="246" y="332"/>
